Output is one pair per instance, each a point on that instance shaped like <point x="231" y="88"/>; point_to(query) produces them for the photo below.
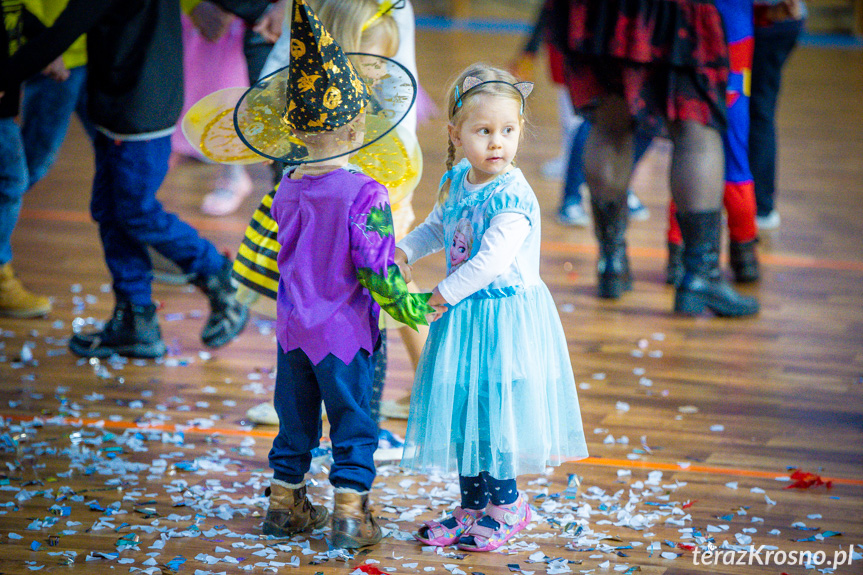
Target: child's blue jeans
<point x="345" y="390"/>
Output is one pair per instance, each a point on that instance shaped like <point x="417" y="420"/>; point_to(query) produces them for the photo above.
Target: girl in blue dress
<point x="494" y="395"/>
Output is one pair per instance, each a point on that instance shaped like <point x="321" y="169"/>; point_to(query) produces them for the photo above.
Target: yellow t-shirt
<point x="47" y="11"/>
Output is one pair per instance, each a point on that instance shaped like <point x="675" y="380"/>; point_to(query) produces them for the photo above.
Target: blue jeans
<point x="575" y="168"/>
<point x="13" y="183"/>
<point x="47" y="107"/>
<point x="773" y="44"/>
<point x="345" y="390"/>
<point x="130" y="218"/>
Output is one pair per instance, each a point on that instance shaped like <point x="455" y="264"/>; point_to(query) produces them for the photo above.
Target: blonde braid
<point x="443" y="193"/>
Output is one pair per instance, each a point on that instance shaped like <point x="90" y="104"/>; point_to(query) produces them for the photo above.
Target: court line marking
<point x="598" y="461"/>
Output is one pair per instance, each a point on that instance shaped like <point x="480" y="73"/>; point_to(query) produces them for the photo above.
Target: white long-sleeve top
<point x="497" y="251"/>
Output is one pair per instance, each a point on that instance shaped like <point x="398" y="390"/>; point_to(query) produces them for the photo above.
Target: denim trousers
<point x="13" y="183"/>
<point x="47" y="108"/>
<point x="773" y="44"/>
<point x="130" y="218"/>
<point x="345" y="390"/>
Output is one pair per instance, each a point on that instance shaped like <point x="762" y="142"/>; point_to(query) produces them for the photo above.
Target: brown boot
<point x="15" y="300"/>
<point x="291" y="511"/>
<point x="353" y="523"/>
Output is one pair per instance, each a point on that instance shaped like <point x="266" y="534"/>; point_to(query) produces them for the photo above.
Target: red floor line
<point x="599" y="461"/>
<point x="222" y="225"/>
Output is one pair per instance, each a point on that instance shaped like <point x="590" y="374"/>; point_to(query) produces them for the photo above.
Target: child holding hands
<point x="494" y="395"/>
<point x="336" y="255"/>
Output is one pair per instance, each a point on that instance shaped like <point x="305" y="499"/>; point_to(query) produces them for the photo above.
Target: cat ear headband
<point x="523" y="88"/>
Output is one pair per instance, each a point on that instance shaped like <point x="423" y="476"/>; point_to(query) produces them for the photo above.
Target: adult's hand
<point x="210" y="20"/>
<point x="269" y="25"/>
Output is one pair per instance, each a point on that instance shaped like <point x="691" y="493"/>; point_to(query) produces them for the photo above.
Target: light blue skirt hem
<point x="495" y="391"/>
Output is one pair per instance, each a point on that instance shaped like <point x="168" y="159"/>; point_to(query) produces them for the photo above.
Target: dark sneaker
<point x="228" y="316"/>
<point x="133" y="331"/>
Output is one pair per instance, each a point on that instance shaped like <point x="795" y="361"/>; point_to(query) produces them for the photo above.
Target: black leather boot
<point x="132" y="331"/>
<point x="228" y="316"/>
<point x="702" y="284"/>
<point x="609" y="225"/>
<point x="674" y="268"/>
<point x="744" y="261"/>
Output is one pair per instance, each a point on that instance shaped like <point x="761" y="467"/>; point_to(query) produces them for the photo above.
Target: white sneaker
<point x="264" y="414"/>
<point x="637" y="211"/>
<point x="573" y="215"/>
<point x="554" y="169"/>
<point x="769" y="222"/>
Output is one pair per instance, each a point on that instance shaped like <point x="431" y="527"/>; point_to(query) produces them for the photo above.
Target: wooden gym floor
<point x="694" y="425"/>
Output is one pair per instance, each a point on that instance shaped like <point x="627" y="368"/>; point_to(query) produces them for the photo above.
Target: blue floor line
<point x="440" y="23"/>
<point x="831" y="41"/>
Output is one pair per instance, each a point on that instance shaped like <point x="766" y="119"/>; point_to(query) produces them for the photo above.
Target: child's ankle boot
<point x="353" y="523"/>
<point x="291" y="511"/>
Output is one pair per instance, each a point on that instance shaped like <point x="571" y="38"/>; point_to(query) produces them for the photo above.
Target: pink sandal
<point x="440" y="536"/>
<point x="512" y="518"/>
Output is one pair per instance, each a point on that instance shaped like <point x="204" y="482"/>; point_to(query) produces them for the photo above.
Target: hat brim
<point x="259" y="114"/>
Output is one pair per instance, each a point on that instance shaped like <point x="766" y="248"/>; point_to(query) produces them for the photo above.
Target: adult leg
<point x="47" y="107"/>
<point x="697" y="178"/>
<point x="773" y="44"/>
<point x="571" y="211"/>
<point x="15" y="301"/>
<point x="569" y="121"/>
<point x="141" y="168"/>
<point x="608" y="163"/>
<point x="133" y="329"/>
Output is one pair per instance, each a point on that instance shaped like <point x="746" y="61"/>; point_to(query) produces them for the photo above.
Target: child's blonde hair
<point x="358" y="23"/>
<point x="460" y="102"/>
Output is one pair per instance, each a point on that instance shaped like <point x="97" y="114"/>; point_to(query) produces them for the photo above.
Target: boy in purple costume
<point x="335" y="229"/>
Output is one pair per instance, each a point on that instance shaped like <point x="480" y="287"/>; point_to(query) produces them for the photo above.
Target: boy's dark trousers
<point x="345" y="390"/>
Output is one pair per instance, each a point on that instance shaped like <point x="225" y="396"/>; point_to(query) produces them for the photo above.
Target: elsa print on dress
<point x="462" y="244"/>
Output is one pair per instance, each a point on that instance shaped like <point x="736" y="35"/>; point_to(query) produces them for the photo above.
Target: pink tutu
<point x="208" y="67"/>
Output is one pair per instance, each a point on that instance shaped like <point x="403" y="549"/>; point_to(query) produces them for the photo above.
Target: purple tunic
<point x="321" y="306"/>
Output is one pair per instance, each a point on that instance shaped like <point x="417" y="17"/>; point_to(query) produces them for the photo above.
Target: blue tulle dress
<point x="494" y="390"/>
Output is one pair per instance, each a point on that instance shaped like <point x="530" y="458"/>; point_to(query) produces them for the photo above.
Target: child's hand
<point x="210" y="20"/>
<point x="57" y="70"/>
<point x="439" y="304"/>
<point x="401" y="260"/>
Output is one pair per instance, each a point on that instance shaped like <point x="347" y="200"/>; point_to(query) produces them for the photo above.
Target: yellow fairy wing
<point x="209" y="127"/>
<point x="395" y="160"/>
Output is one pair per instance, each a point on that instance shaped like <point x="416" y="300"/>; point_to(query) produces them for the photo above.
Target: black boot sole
<point x="613" y="286"/>
<point x="345" y="541"/>
<point x="220" y="339"/>
<point x="693" y="303"/>
<point x="745" y="275"/>
<point x="137" y="350"/>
